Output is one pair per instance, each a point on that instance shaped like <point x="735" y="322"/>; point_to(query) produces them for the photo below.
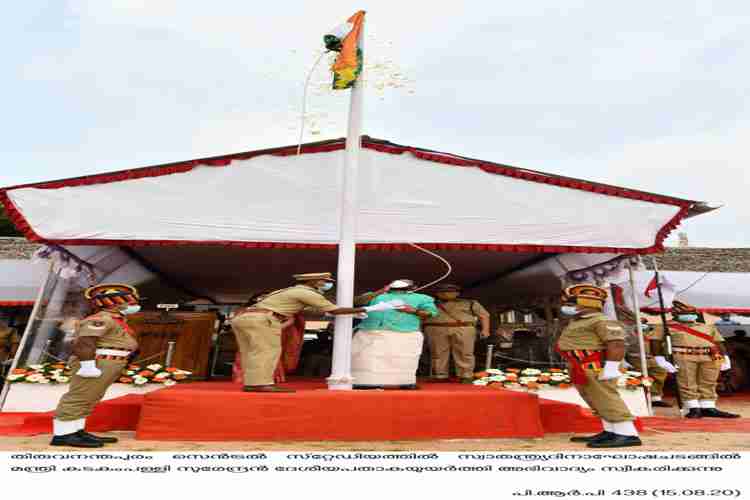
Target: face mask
<point x="325" y="286"/>
<point x="687" y="317"/>
<point x="569" y="310"/>
<point x="132" y="309"/>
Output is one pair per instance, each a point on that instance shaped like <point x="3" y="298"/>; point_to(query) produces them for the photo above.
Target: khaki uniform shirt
<point x="682" y="339"/>
<point x="459" y="310"/>
<point x="591" y="332"/>
<point x="108" y="332"/>
<point x="290" y="301"/>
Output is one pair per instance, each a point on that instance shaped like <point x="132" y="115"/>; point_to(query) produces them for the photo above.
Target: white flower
<point x="63" y="380"/>
<point x="531" y="372"/>
<point x="558" y="377"/>
<point x="634" y="374"/>
<point x="16" y="376"/>
<point x="35" y="377"/>
<point x="496" y="378"/>
<point x="480" y="381"/>
<point x="36" y="367"/>
<point x="526" y="380"/>
<point x="161" y="375"/>
<point x="169" y="382"/>
<point x="494" y="371"/>
<point x="130" y="372"/>
<point x="43" y="381"/>
<point x="154" y="368"/>
<point x="140" y="380"/>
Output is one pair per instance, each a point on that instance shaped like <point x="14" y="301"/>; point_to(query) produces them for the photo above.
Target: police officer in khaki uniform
<point x="700" y="355"/>
<point x="658" y="366"/>
<point x="594" y="347"/>
<point x="101" y="348"/>
<point x="453" y="332"/>
<point x="258" y="327"/>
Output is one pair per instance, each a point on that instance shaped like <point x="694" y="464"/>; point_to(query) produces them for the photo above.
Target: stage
<point x="220" y="411"/>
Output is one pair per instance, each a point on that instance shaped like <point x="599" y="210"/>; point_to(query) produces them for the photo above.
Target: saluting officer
<point x="101" y="348"/>
<point x="594" y="347"/>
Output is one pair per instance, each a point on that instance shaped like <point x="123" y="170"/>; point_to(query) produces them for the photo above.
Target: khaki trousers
<point x="654" y="371"/>
<point x="603" y="398"/>
<point x="259" y="341"/>
<point x="697" y="377"/>
<point x="84" y="393"/>
<point x="445" y="341"/>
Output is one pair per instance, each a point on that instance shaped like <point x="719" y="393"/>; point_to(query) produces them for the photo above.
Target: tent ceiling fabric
<point x="231" y="275"/>
<point x="295" y="199"/>
<point x="20" y="280"/>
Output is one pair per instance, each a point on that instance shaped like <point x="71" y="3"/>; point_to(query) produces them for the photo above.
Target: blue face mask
<point x="687" y="317"/>
<point x="569" y="310"/>
<point x="131" y="309"/>
<point x="326" y="286"/>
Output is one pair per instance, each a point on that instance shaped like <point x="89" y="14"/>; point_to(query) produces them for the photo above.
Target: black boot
<point x="661" y="404"/>
<point x="616" y="441"/>
<point x="713" y="412"/>
<point x="77" y="440"/>
<point x="590" y="439"/>
<point x="103" y="439"/>
<point x="694" y="413"/>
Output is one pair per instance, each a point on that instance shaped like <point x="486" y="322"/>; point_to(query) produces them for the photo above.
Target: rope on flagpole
<point x="304" y="100"/>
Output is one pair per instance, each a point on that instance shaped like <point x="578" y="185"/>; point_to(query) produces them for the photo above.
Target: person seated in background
<point x="658" y="367"/>
<point x="388" y="344"/>
<point x="726" y="319"/>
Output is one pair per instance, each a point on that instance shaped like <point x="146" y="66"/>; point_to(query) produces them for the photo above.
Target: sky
<point x="643" y="94"/>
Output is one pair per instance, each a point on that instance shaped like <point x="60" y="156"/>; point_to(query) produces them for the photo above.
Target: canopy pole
<point x="639" y="331"/>
<point x="341" y="369"/>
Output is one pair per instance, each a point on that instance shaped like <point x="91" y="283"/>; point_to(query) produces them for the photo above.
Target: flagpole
<point x="665" y="326"/>
<point x="341" y="365"/>
<point x="639" y="330"/>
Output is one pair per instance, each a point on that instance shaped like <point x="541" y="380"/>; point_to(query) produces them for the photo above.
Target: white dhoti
<point x="383" y="357"/>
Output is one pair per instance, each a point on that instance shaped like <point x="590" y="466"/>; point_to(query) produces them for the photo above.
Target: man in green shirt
<point x="387" y="346"/>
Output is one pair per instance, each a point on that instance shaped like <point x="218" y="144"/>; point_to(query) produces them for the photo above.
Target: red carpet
<point x="217" y="411"/>
<point x="113" y="415"/>
<point x="214" y="411"/>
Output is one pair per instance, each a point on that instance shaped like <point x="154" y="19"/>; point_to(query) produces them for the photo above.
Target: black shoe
<point x="616" y="441"/>
<point x="409" y="387"/>
<point x="660" y="404"/>
<point x="366" y="387"/>
<point x="266" y="388"/>
<point x="103" y="439"/>
<point x="76" y="440"/>
<point x="694" y="413"/>
<point x="713" y="412"/>
<point x="590" y="439"/>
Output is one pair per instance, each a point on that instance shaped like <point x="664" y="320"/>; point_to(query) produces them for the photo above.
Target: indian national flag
<point x="344" y="39"/>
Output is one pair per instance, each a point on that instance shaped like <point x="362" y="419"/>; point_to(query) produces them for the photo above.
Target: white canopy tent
<point x="713" y="293"/>
<point x="228" y="226"/>
<point x="20" y="280"/>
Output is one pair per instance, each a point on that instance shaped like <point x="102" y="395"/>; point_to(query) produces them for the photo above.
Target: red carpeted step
<point x="216" y="411"/>
<point x="558" y="417"/>
<point x="119" y="414"/>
